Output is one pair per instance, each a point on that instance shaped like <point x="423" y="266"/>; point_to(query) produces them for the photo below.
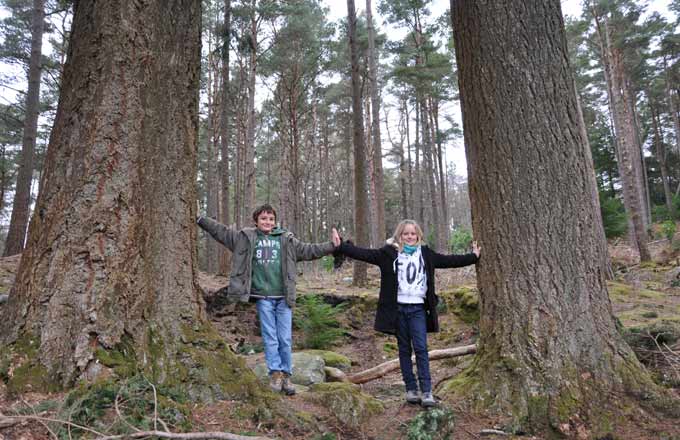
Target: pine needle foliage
<point x="318" y="322"/>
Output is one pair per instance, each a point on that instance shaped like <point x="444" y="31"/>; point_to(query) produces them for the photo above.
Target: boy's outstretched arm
<point x="446" y="261"/>
<point x="218" y="231"/>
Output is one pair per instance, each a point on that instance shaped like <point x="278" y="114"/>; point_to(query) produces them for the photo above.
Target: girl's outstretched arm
<point x="446" y="261"/>
<point x="370" y="256"/>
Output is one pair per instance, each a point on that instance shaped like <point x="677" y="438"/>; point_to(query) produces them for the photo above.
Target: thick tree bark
<point x="225" y="133"/>
<point x="108" y="279"/>
<point x="22" y="198"/>
<point x="548" y="347"/>
<point x="360" y="198"/>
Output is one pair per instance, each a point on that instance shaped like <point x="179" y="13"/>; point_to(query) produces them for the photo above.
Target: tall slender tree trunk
<point x="673" y="108"/>
<point x="376" y="139"/>
<point x="661" y="157"/>
<point x="444" y="234"/>
<point x="411" y="193"/>
<point x="225" y="133"/>
<point x="109" y="273"/>
<point x="249" y="170"/>
<point x="22" y="198"/>
<point x="212" y="187"/>
<point x="548" y="350"/>
<point x="360" y="199"/>
<point x="428" y="164"/>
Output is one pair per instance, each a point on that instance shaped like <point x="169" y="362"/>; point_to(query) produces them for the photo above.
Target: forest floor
<point x="642" y="297"/>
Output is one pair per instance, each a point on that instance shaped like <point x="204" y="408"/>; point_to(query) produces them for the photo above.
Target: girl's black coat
<point x="386" y="315"/>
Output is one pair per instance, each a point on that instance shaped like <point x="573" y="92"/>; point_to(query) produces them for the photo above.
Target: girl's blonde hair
<point x="396" y="238"/>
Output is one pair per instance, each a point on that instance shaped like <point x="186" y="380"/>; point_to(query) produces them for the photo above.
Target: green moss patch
<point x="332" y="359"/>
<point x="463" y="302"/>
<point x="346" y="402"/>
<point x="21" y="370"/>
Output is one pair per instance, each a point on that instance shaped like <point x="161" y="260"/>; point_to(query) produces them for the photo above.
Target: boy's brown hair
<point x="264" y="208"/>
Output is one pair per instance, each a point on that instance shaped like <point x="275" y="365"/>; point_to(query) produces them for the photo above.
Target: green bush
<point x="318" y="322"/>
<point x="613" y="216"/>
<point x="327" y="263"/>
<point x="435" y="424"/>
<point x="668" y="229"/>
<point x="460" y="241"/>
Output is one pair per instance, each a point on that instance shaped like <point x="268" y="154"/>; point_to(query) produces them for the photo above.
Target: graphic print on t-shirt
<point x="267" y="251"/>
<point x="411" y="277"/>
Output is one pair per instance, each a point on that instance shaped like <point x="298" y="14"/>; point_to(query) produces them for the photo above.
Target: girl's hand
<point x="335" y="237"/>
<point x="477" y="250"/>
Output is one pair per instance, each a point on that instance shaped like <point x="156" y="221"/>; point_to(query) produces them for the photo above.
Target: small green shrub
<point x="327" y="263"/>
<point x="613" y="216"/>
<point x="668" y="229"/>
<point x="460" y="241"/>
<point x="318" y="322"/>
<point x="435" y="424"/>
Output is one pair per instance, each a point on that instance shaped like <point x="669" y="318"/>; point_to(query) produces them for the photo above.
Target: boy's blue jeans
<point x="412" y="333"/>
<point x="276" y="320"/>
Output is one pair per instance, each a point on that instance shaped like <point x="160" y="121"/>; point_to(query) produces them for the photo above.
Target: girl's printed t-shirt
<point x="411" y="277"/>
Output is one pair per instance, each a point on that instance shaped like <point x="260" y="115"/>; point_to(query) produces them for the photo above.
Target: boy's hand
<point x="335" y="237"/>
<point x="477" y="250"/>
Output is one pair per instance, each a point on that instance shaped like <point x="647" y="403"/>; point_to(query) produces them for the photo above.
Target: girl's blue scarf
<point x="409" y="250"/>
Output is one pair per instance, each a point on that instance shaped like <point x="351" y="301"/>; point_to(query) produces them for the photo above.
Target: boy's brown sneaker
<point x="287" y="386"/>
<point x="276" y="381"/>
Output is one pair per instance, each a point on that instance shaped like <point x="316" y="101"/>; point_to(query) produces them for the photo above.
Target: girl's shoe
<point x="428" y="400"/>
<point x="412" y="396"/>
<point x="287" y="385"/>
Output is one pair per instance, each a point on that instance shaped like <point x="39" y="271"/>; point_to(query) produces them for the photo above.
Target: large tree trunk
<point x="225" y="132"/>
<point x="548" y="349"/>
<point x="360" y="198"/>
<point x="108" y="279"/>
<point x="22" y="198"/>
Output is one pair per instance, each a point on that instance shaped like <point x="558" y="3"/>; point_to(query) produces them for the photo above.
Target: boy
<point x="263" y="269"/>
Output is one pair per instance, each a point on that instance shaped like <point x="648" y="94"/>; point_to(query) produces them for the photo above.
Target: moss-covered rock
<point x="346" y="402"/>
<point x="332" y="359"/>
<point x="435" y="424"/>
<point x="464" y="303"/>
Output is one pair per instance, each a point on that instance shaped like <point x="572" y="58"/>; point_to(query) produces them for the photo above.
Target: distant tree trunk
<point x="548" y="350"/>
<point x="376" y="139"/>
<point x="22" y="196"/>
<point x="409" y="161"/>
<point x="628" y="155"/>
<point x="212" y="187"/>
<point x="225" y="133"/>
<point x="444" y="234"/>
<point x="428" y="166"/>
<point x="249" y="170"/>
<point x="360" y="199"/>
<point x="110" y="264"/>
<point x="661" y="158"/>
<point x="673" y="108"/>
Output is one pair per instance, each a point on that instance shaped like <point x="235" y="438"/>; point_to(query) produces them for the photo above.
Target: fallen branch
<point x="185" y="436"/>
<point x="389" y="366"/>
<point x="11" y="420"/>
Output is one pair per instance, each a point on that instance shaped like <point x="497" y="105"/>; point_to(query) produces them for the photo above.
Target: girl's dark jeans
<point x="412" y="336"/>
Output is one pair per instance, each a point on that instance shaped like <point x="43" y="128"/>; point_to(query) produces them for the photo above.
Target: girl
<point x="407" y="305"/>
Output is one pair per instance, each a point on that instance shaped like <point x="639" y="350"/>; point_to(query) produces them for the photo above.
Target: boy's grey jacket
<point x="242" y="243"/>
